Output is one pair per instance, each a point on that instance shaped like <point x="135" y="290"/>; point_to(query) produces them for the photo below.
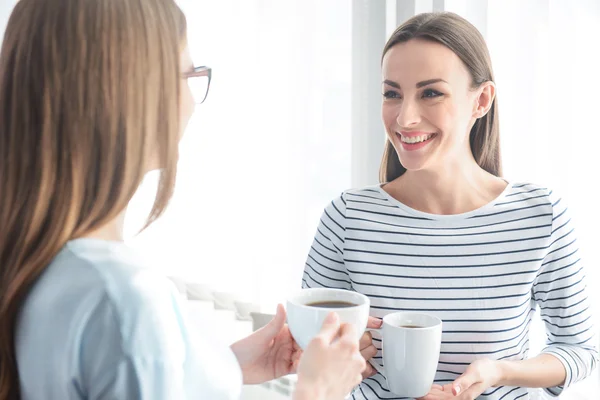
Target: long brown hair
<point x="466" y="42"/>
<point x="89" y="99"/>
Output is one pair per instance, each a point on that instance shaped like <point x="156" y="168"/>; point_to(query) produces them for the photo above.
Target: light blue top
<point x="99" y="324"/>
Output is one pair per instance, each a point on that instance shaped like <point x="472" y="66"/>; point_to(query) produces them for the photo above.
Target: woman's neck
<point x="113" y="230"/>
<point x="452" y="189"/>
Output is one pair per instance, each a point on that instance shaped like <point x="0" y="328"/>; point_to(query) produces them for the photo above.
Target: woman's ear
<point x="485" y="98"/>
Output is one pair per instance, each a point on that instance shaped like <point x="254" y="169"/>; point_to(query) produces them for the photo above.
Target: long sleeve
<point x="325" y="264"/>
<point x="142" y="346"/>
<point x="560" y="292"/>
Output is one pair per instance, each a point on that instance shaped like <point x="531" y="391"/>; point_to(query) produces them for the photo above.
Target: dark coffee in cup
<point x="308" y="308"/>
<point x="410" y="326"/>
<point x="331" y="304"/>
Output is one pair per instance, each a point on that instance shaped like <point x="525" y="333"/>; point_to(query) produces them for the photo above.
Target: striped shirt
<point x="483" y="273"/>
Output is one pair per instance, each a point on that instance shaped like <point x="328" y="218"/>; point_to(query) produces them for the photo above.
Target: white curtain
<point x="266" y="151"/>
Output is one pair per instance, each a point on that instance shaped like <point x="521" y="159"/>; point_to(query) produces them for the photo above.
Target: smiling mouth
<point x="416" y="139"/>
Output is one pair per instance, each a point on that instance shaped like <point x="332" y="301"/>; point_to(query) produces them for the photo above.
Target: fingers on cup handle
<point x="368" y="372"/>
<point x="374" y="323"/>
<point x="365" y="340"/>
<point x="369" y="352"/>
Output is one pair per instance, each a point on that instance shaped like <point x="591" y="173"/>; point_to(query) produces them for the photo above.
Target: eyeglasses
<point x="199" y="82"/>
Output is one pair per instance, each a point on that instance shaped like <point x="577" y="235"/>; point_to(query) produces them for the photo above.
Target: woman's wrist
<point x="239" y="350"/>
<point x="506" y="372"/>
<point x="542" y="371"/>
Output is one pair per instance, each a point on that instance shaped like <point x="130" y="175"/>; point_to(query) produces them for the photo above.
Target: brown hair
<point x="466" y="42"/>
<point x="89" y="98"/>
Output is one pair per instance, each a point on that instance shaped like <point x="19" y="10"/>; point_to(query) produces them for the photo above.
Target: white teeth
<point x="416" y="139"/>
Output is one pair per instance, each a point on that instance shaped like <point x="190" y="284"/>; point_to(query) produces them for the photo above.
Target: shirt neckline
<point x="448" y="217"/>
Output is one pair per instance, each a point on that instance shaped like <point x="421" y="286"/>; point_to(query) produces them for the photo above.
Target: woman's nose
<point x="408" y="114"/>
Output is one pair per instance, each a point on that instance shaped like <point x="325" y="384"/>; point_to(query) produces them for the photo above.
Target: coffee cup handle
<point x="377" y="367"/>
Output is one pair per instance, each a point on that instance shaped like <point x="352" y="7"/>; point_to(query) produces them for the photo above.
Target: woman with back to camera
<point x="93" y="95"/>
<point x="446" y="235"/>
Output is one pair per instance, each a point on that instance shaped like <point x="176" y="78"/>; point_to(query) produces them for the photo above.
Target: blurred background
<point x="293" y="119"/>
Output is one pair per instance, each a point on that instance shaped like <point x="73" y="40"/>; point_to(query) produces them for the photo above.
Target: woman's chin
<point x="412" y="163"/>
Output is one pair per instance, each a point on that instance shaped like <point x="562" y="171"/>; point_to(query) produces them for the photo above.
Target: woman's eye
<point x="430" y="93"/>
<point x="390" y="94"/>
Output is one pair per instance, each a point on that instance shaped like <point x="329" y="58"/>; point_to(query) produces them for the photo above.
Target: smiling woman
<point x="445" y="234"/>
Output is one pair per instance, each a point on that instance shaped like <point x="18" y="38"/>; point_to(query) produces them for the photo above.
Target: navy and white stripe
<point x="483" y="273"/>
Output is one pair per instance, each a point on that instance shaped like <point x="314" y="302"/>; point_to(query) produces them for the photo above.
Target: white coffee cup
<point x="410" y="355"/>
<point x="305" y="321"/>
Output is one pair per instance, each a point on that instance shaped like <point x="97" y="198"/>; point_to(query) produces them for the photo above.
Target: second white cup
<point x="411" y="352"/>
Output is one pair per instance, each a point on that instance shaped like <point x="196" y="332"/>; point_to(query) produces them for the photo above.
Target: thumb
<point x="274" y="326"/>
<point x="330" y="328"/>
<point x="462" y="383"/>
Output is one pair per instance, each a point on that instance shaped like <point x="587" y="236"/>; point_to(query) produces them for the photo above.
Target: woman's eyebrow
<point x="419" y="84"/>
